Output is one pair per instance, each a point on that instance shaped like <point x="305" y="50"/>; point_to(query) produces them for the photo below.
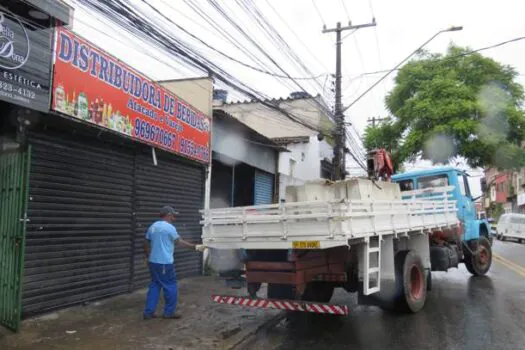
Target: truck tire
<point x="281" y="291"/>
<point x="429" y="280"/>
<point x="479" y="263"/>
<point x="411" y="287"/>
<point x="318" y="291"/>
<point x="483" y="232"/>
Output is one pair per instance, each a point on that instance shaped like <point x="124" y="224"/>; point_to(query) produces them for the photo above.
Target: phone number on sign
<point x="20" y="91"/>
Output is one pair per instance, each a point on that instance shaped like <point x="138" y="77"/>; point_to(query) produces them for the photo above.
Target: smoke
<point x="440" y="148"/>
<point x="493" y="100"/>
<point x="231" y="142"/>
<point x="225" y="260"/>
<point x="218" y="201"/>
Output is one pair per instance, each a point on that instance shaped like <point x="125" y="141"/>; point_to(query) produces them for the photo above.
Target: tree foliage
<point x="457" y="104"/>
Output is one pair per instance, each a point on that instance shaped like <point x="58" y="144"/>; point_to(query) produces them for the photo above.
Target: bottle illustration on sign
<point x="129" y="127"/>
<point x="66" y="105"/>
<point x="94" y="116"/>
<point x="90" y="111"/>
<point x="60" y="98"/>
<point x="96" y="111"/>
<point x="83" y="107"/>
<point x="101" y="111"/>
<point x="74" y="103"/>
<point x="104" y="114"/>
<point x="108" y="114"/>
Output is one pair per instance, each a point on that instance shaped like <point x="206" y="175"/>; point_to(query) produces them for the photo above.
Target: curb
<point x="244" y="337"/>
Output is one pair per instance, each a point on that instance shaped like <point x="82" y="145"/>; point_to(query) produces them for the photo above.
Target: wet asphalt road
<point x="462" y="312"/>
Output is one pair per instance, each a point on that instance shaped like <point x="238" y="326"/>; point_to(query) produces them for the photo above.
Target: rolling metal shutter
<point x="179" y="184"/>
<point x="263" y="188"/>
<point x="79" y="237"/>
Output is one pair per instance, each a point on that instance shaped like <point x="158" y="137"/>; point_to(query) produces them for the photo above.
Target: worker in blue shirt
<point x="159" y="246"/>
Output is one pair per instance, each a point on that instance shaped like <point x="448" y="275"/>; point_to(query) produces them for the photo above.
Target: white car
<point x="511" y="226"/>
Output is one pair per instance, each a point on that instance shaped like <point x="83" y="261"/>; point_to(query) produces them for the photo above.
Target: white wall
<point x="307" y="157"/>
<point x="325" y="150"/>
<point x="285" y="181"/>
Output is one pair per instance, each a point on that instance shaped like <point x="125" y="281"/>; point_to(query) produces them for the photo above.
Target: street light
<point x="449" y="29"/>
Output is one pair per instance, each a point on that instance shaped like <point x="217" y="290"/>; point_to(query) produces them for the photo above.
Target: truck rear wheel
<point x="281" y="291"/>
<point x="479" y="263"/>
<point x="411" y="284"/>
<point x="318" y="291"/>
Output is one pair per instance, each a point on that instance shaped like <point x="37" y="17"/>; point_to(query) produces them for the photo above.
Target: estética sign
<point x="25" y="62"/>
<point x="93" y="86"/>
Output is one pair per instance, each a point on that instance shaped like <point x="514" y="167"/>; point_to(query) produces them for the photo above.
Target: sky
<point x="402" y="26"/>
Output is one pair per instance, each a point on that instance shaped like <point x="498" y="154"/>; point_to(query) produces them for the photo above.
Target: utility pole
<point x="374" y="119"/>
<point x="340" y="135"/>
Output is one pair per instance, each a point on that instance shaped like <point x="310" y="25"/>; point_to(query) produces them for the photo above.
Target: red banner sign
<point x="95" y="87"/>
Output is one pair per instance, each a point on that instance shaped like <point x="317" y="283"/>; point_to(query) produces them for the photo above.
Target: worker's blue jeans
<point x="162" y="277"/>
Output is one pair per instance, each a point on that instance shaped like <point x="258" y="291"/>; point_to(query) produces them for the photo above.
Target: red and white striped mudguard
<point x="288" y="305"/>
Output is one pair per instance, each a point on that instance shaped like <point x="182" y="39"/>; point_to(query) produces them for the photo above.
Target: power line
<point x="346" y="10"/>
<point x="371" y="8"/>
<point x="357" y="149"/>
<point x="219" y="9"/>
<point x="318" y="12"/>
<point x="282" y="45"/>
<point x="297" y="36"/>
<point x="358" y="161"/>
<point x="454" y="56"/>
<point x="309" y="125"/>
<point x="442" y="59"/>
<point x="229" y="37"/>
<point x="129" y="45"/>
<point x="226" y="55"/>
<point x="126" y="16"/>
<point x="219" y="28"/>
<point x="378" y="47"/>
<point x="347" y="35"/>
<point x="249" y="36"/>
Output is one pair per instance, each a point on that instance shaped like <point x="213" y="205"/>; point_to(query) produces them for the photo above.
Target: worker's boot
<point x="149" y="317"/>
<point x="175" y="316"/>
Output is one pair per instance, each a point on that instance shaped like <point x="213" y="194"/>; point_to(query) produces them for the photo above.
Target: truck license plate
<point x="306" y="245"/>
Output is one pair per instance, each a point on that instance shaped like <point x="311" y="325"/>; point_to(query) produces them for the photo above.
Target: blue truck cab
<point x="473" y="247"/>
<point x="448" y="176"/>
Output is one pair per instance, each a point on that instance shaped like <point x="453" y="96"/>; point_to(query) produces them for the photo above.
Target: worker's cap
<point x="167" y="210"/>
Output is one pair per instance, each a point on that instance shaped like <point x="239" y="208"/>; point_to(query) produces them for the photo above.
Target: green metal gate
<point x="14" y="174"/>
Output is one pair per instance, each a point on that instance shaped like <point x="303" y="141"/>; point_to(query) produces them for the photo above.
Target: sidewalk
<point x="116" y="323"/>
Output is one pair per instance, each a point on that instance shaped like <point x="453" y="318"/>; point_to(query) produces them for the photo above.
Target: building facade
<point x="309" y="153"/>
<point x="244" y="164"/>
<point x="308" y="159"/>
<point x="90" y="170"/>
<point x="504" y="191"/>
